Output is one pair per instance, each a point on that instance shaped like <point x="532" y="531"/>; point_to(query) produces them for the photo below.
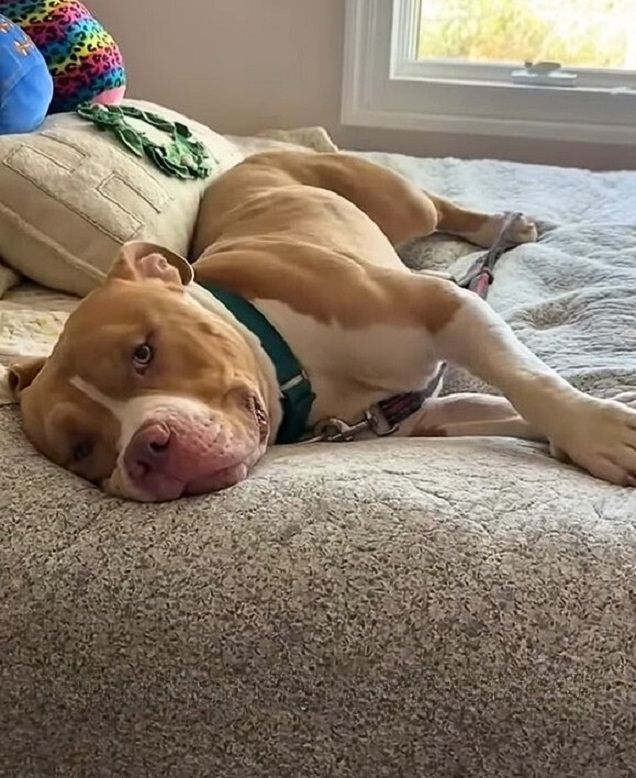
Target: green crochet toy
<point x="183" y="156"/>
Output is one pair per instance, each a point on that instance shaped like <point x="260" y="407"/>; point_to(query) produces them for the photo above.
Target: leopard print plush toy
<point x="83" y="59"/>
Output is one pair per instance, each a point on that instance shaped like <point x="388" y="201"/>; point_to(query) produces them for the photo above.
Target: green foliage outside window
<point x="584" y="33"/>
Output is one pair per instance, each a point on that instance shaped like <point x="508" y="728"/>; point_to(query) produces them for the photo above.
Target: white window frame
<point x="384" y="85"/>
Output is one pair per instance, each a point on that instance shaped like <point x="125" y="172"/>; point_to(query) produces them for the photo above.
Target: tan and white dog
<point x="155" y="390"/>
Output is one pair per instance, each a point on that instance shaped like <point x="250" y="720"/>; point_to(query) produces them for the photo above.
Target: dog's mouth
<point x="172" y="487"/>
<point x="175" y="454"/>
<point x="216" y="482"/>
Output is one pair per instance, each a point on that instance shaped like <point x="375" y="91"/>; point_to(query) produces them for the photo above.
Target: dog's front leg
<point x="599" y="435"/>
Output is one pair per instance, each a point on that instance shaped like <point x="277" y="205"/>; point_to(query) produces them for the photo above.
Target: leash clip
<point x="335" y="430"/>
<point x="379" y="423"/>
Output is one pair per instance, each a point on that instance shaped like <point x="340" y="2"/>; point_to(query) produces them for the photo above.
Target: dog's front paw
<point x="600" y="436"/>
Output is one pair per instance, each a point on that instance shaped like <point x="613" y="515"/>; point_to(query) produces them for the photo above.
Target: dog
<point x="159" y="387"/>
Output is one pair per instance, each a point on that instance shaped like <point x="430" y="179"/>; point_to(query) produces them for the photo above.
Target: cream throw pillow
<point x="70" y="195"/>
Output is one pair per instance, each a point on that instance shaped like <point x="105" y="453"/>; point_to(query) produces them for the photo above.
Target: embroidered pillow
<point x="70" y="195"/>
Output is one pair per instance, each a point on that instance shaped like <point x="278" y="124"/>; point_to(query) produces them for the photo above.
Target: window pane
<point x="579" y="33"/>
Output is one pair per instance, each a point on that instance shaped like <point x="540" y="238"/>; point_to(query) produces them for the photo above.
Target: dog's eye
<point x="143" y="355"/>
<point x="82" y="450"/>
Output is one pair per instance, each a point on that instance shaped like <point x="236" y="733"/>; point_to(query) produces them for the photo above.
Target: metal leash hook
<point x="339" y="431"/>
<point x="336" y="431"/>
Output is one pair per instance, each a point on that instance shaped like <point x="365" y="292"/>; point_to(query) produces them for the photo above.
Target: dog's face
<point x="146" y="393"/>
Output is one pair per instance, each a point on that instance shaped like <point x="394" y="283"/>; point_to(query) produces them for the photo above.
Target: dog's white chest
<point x="351" y="368"/>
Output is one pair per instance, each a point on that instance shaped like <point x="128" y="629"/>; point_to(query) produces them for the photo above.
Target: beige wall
<point x="244" y="65"/>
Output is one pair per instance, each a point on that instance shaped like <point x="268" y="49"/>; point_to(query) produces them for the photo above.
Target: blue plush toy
<point x="26" y="86"/>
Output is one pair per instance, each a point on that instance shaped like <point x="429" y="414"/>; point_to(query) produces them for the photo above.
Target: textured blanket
<point x="419" y="608"/>
<point x="572" y="297"/>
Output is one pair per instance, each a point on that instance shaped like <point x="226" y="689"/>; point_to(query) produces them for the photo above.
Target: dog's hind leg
<point x="470" y="415"/>
<point x="479" y="228"/>
<point x="400" y="209"/>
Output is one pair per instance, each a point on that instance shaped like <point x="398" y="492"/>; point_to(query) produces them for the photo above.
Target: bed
<point x="390" y="608"/>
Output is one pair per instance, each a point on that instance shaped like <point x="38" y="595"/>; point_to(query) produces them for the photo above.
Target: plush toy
<point x="26" y="87"/>
<point x="83" y="59"/>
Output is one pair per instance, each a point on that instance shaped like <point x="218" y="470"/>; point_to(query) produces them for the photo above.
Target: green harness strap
<point x="297" y="396"/>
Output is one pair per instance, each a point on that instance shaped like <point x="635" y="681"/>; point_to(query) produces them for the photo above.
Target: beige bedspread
<point x="408" y="608"/>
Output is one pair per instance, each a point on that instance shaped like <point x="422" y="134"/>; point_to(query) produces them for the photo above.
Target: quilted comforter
<point x="425" y="608"/>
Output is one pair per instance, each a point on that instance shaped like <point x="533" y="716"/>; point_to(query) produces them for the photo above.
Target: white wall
<point x="244" y="65"/>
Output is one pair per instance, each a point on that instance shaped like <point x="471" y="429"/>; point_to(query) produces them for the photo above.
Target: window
<point x="560" y="69"/>
<point x="596" y="34"/>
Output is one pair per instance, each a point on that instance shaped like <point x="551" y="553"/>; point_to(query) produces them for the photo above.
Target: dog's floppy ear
<point x="22" y="374"/>
<point x="139" y="260"/>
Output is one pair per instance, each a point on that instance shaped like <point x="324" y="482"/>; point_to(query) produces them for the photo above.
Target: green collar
<point x="297" y="396"/>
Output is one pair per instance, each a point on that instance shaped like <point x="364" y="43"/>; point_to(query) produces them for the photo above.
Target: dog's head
<point x="146" y="393"/>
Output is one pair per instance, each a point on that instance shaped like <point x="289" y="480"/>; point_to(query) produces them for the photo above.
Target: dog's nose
<point x="148" y="449"/>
